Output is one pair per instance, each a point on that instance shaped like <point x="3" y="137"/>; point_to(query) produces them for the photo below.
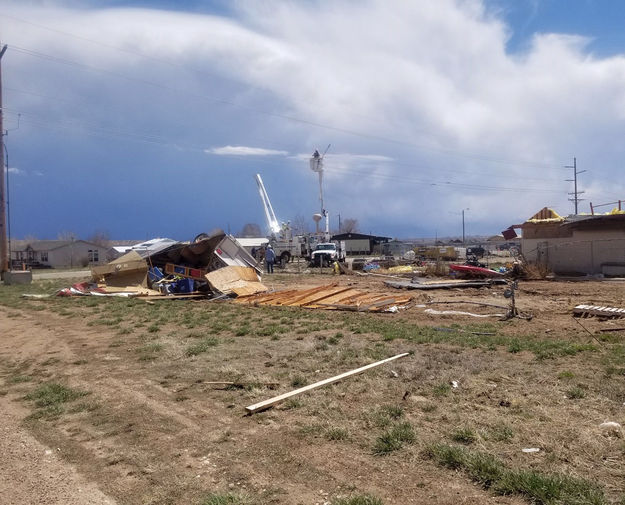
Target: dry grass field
<point x="122" y="394"/>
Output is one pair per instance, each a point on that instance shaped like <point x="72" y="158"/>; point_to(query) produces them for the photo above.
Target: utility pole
<point x="4" y="256"/>
<point x="575" y="193"/>
<point x="462" y="227"/>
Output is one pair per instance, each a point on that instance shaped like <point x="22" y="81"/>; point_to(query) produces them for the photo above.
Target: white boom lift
<point x="316" y="165"/>
<point x="272" y="221"/>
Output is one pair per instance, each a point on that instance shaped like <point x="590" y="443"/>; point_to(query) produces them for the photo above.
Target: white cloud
<point x="244" y="151"/>
<point x="426" y="112"/>
<point x="16" y="171"/>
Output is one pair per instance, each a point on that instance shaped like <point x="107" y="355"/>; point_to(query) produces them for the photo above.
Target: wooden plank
<point x="357" y="302"/>
<point x="263" y="298"/>
<point x="264" y="405"/>
<point x="305" y="293"/>
<point x="337" y="297"/>
<point x="318" y="297"/>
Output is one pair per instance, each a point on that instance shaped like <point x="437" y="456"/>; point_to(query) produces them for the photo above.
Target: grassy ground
<point x="462" y="407"/>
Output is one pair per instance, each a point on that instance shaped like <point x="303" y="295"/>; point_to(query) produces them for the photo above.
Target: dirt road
<point x="34" y="473"/>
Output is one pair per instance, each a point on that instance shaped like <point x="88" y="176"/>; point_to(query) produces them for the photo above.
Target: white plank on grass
<point x="257" y="407"/>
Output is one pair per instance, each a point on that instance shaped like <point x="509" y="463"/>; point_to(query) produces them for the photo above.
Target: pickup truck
<point x="324" y="254"/>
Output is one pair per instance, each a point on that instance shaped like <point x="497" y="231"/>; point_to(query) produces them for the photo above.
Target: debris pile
<point x="212" y="265"/>
<point x="330" y="297"/>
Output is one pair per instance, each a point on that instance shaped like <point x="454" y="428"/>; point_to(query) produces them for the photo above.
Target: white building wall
<point x="585" y="252"/>
<point x="354" y="246"/>
<point x="75" y="255"/>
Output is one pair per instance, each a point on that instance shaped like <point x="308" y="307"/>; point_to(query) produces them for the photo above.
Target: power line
<point x="393" y="161"/>
<point x="95" y="130"/>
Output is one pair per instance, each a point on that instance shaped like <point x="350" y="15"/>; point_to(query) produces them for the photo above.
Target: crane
<point x="316" y="165"/>
<point x="272" y="221"/>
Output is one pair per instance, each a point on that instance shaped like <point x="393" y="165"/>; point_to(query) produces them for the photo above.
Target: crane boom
<point x="270" y="215"/>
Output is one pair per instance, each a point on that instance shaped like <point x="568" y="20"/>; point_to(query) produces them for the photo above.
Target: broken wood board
<point x="328" y="297"/>
<point x="127" y="270"/>
<point x="598" y="310"/>
<point x="444" y="284"/>
<point x="264" y="405"/>
<point x="138" y="289"/>
<point x="242" y="281"/>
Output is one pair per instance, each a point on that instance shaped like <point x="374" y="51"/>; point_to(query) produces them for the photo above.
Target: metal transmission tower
<point x="575" y="193"/>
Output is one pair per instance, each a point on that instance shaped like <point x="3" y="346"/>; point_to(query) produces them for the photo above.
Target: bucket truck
<point x="281" y="238"/>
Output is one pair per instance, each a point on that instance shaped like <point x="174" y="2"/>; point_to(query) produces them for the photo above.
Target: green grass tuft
<point x="226" y="499"/>
<point x="464" y="435"/>
<point x="202" y="346"/>
<point x="361" y="499"/>
<point x="394" y="438"/>
<point x="539" y="488"/>
<point x="336" y="434"/>
<point x="575" y="393"/>
<point x="53" y="394"/>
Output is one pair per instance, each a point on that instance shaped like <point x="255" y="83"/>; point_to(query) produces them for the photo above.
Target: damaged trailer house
<point x="576" y="244"/>
<point x="215" y="263"/>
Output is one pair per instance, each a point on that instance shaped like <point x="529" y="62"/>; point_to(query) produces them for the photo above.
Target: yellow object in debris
<point x="546" y="215"/>
<point x="401" y="269"/>
<point x="336" y="268"/>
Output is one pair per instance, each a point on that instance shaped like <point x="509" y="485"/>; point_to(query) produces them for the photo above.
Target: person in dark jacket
<point x="270" y="259"/>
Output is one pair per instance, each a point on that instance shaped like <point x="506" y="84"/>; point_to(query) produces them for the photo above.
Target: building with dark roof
<point x="361" y="244"/>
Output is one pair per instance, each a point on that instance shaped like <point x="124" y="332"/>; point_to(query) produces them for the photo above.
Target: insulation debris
<point x="330" y="297"/>
<point x="242" y="281"/>
<point x="447" y="284"/>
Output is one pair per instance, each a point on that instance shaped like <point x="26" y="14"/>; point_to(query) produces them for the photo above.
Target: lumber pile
<point x="329" y="297"/>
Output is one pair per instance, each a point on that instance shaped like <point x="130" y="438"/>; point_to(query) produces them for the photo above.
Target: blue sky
<point x="143" y="120"/>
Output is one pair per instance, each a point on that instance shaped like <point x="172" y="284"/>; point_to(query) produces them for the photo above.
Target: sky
<point x="145" y="119"/>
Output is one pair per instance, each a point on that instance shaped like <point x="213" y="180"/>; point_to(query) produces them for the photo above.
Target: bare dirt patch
<point x="150" y="429"/>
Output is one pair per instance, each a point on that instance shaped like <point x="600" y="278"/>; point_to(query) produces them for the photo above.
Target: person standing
<point x="270" y="259"/>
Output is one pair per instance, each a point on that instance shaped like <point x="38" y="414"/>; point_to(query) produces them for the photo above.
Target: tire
<point x="285" y="257"/>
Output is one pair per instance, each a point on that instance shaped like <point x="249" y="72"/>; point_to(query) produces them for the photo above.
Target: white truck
<point x="325" y="254"/>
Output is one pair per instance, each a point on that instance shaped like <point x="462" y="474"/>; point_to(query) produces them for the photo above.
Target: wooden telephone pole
<point x="4" y="249"/>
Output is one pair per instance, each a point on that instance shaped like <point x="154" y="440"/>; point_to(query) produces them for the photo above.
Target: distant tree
<point x="349" y="225"/>
<point x="66" y="235"/>
<point x="101" y="238"/>
<point x="251" y="230"/>
<point x="299" y="225"/>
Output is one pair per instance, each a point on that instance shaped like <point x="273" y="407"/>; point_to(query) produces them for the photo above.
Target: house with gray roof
<point x="56" y="254"/>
